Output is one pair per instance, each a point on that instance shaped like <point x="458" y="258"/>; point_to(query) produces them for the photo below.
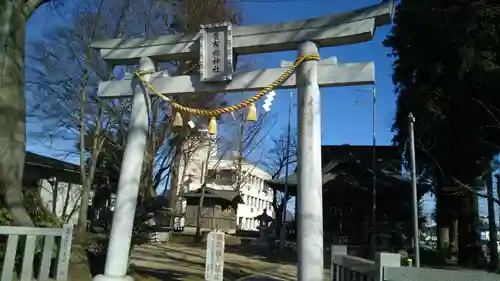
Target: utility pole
<point x="374" y="179"/>
<point x="285" y="195"/>
<point x="373" y="238"/>
<point x="411" y="121"/>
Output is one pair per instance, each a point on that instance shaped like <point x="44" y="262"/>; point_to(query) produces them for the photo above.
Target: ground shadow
<point x="96" y="262"/>
<point x="160" y="274"/>
<point x="248" y="248"/>
<point x="176" y="275"/>
<point x="184" y="258"/>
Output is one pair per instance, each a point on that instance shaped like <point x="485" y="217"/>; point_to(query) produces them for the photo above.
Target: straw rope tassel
<point x="252" y="113"/>
<point x="212" y="126"/>
<point x="178" y="122"/>
<point x="212" y="113"/>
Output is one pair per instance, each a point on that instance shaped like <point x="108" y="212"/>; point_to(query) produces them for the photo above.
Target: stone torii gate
<point x="217" y="46"/>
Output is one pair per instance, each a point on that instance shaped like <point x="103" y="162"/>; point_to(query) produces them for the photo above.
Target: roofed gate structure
<point x="216" y="46"/>
<point x="219" y="209"/>
<point x="347" y="194"/>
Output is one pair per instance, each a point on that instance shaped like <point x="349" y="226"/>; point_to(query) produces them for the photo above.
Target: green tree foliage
<point x="446" y="71"/>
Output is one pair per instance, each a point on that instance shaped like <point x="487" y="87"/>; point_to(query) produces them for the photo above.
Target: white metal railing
<point x="350" y="268"/>
<point x="33" y="235"/>
<point x="387" y="267"/>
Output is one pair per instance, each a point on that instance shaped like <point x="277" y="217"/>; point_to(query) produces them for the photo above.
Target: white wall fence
<point x="33" y="237"/>
<point x="387" y="267"/>
<point x="345" y="267"/>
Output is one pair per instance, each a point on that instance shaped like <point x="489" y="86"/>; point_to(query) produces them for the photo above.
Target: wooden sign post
<point x="214" y="260"/>
<point x="215" y="46"/>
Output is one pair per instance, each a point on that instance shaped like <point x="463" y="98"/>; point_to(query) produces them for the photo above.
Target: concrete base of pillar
<point x="111" y="278"/>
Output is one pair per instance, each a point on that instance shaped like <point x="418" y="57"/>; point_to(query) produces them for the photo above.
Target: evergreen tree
<point x="446" y="72"/>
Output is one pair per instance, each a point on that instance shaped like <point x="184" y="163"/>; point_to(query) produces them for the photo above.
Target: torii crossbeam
<point x="329" y="75"/>
<point x="217" y="47"/>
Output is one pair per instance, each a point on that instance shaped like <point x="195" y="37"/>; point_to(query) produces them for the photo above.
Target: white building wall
<point x="256" y="196"/>
<point x="57" y="195"/>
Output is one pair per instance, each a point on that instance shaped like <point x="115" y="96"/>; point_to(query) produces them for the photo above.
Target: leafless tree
<point x="233" y="154"/>
<point x="277" y="157"/>
<point x="65" y="77"/>
<point x="251" y="137"/>
<point x="189" y="15"/>
<point x="283" y="153"/>
<point x="13" y="17"/>
<point x="71" y="87"/>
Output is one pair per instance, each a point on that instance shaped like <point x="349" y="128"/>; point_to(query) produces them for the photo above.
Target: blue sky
<point x="343" y="119"/>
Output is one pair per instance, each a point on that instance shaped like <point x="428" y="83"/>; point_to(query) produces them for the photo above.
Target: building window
<point x="344" y="240"/>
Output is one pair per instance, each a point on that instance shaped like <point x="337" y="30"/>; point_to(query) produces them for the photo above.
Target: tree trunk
<point x="443" y="221"/>
<point x="202" y="196"/>
<point x="174" y="182"/>
<point x="493" y="249"/>
<point x="239" y="163"/>
<point x="87" y="178"/>
<point x="198" y="213"/>
<point x="469" y="249"/>
<point x="12" y="109"/>
<point x="454" y="237"/>
<point x="276" y="210"/>
<point x="81" y="229"/>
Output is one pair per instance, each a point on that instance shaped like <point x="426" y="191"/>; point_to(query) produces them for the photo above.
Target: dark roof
<point x="388" y="157"/>
<point x="33" y="159"/>
<point x="222" y="197"/>
<point x="354" y="163"/>
<point x="42" y="167"/>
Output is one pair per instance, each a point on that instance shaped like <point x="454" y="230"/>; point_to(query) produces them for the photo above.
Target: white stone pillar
<point x="128" y="186"/>
<point x="310" y="186"/>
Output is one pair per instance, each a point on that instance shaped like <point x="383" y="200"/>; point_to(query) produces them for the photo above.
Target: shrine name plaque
<point x="216" y="52"/>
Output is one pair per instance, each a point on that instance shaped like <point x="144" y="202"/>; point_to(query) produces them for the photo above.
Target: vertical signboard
<point x="216" y="52"/>
<point x="214" y="264"/>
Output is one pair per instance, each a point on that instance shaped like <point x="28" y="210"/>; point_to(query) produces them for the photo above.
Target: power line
<point x="271" y="1"/>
